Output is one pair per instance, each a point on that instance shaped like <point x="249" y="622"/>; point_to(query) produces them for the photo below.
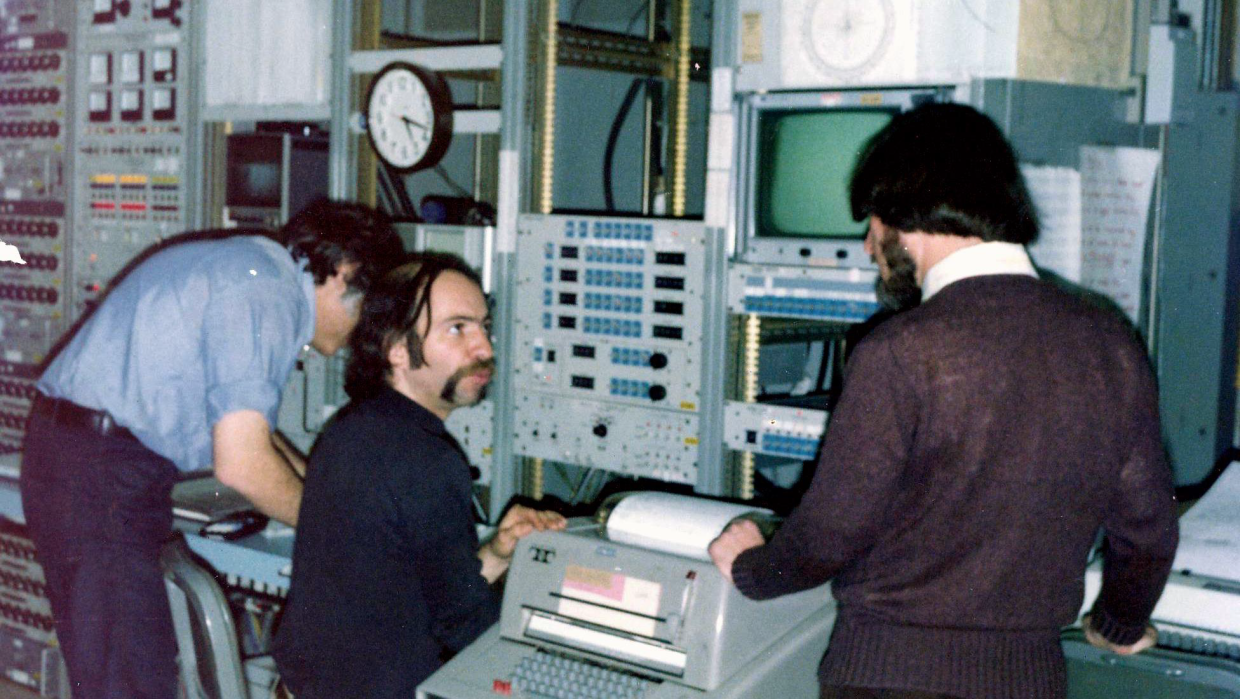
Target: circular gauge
<point x="1085" y="23"/>
<point x="846" y="38"/>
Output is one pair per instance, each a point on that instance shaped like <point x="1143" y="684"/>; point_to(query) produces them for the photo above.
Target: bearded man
<point x="388" y="576"/>
<point x="984" y="435"/>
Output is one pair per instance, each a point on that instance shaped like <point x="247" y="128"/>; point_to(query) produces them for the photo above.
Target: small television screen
<point x="805" y="159"/>
<point x="254" y="164"/>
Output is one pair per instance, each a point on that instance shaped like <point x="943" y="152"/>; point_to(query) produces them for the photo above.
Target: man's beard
<point x="449" y="387"/>
<point x="899" y="291"/>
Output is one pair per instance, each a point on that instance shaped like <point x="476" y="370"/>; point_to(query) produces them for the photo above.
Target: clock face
<point x="847" y="38"/>
<point x="408" y="116"/>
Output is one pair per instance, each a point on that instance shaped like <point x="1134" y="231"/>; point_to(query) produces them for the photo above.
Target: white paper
<point x="1116" y="186"/>
<point x="1210" y="530"/>
<point x="248" y="45"/>
<point x="1056" y="193"/>
<point x="676" y="524"/>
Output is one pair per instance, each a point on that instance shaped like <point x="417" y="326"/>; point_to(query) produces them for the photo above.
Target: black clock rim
<point x="441" y="104"/>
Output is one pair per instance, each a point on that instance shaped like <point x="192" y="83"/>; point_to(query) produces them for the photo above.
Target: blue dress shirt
<point x="197" y="331"/>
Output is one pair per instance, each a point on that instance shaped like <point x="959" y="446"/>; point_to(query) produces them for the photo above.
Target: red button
<point x="502" y="687"/>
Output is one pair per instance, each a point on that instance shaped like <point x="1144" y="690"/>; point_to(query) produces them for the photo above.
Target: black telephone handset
<point x="235" y="526"/>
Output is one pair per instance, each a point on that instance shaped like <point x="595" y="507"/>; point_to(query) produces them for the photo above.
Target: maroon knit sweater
<point x="980" y="441"/>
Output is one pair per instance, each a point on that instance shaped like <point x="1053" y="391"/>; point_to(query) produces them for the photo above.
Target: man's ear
<point x="398" y="355"/>
<point x="339" y="280"/>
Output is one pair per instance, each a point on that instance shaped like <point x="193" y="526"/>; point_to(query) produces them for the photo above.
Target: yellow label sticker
<point x="751" y="37"/>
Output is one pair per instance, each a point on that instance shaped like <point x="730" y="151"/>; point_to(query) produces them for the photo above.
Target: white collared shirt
<point x="975" y="261"/>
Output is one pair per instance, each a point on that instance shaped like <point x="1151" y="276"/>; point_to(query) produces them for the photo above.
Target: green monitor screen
<point x="805" y="160"/>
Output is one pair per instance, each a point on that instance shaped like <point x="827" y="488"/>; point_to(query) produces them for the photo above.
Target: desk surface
<point x="261" y="562"/>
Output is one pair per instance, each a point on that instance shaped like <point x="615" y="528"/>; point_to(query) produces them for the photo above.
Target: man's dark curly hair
<point x="330" y="233"/>
<point x="944" y="168"/>
<point x="390" y="314"/>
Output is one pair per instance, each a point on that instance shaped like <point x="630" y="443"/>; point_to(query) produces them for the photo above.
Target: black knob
<point x="600" y="430"/>
<point x="657" y="393"/>
<point x="658" y="360"/>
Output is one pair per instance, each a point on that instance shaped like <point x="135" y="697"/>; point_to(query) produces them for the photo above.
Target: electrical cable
<point x="572" y="15"/>
<point x="443" y="173"/>
<point x="385" y="185"/>
<point x="609" y="152"/>
<point x="654" y="89"/>
<point x="574" y="496"/>
<point x="402" y="193"/>
<point x="643" y="6"/>
<point x="386" y="195"/>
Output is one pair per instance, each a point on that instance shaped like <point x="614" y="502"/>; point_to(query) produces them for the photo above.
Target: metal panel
<point x="1195" y="331"/>
<point x="1047" y="122"/>
<point x="454" y="58"/>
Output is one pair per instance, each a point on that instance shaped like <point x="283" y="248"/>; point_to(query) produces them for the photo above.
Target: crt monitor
<point x="273" y="175"/>
<point x="255" y="169"/>
<point x="798" y="153"/>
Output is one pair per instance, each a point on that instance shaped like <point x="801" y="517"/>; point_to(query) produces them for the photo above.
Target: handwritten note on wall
<point x="1116" y="186"/>
<point x="1056" y="193"/>
<point x="1094" y="221"/>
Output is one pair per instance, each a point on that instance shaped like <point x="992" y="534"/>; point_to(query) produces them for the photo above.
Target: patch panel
<point x="774" y="430"/>
<point x="803" y="448"/>
<point x="835" y="294"/>
<point x="602" y="229"/>
<point x="612" y="302"/>
<point x="824" y="309"/>
<point x="614" y="278"/>
<point x="631" y="356"/>
<point x="615" y="327"/>
<point x="615" y="255"/>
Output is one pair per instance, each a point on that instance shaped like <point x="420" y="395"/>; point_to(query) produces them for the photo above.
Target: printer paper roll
<point x="677" y="524"/>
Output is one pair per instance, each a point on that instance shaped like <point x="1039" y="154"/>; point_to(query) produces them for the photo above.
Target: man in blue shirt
<point x="179" y="369"/>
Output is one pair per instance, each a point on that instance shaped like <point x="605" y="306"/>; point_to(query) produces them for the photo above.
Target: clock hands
<point x="409" y="123"/>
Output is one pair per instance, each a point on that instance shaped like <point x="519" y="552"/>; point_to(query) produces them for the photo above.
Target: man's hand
<point x="248" y="461"/>
<point x="517" y="522"/>
<point x="740" y="536"/>
<point x="1095" y="639"/>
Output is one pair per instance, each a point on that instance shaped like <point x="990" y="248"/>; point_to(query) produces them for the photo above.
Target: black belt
<point x="69" y="414"/>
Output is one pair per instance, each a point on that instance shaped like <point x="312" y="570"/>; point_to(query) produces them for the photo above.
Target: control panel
<point x="131" y="153"/>
<point x="609" y="321"/>
<point x="474" y="429"/>
<point x="774" y="430"/>
<point x="653" y="443"/>
<point x="24" y="605"/>
<point x="816" y="293"/>
<point x="35" y="129"/>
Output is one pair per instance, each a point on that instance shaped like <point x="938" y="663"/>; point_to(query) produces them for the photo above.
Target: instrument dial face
<point x="847" y="38"/>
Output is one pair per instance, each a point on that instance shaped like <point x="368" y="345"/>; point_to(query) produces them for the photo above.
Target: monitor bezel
<point x="804" y="250"/>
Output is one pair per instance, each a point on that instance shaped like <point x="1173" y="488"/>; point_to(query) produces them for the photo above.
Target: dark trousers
<point x="866" y="693"/>
<point x="99" y="509"/>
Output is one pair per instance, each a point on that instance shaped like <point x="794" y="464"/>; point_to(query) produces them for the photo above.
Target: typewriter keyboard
<point x="559" y="677"/>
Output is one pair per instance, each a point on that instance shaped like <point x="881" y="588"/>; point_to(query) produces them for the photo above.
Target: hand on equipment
<point x="740" y="536"/>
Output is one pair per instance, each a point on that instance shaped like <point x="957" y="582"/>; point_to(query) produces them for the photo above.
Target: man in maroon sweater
<point x="983" y="437"/>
